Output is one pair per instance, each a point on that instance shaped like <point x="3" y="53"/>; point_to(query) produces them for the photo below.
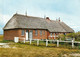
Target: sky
<point x="67" y="10"/>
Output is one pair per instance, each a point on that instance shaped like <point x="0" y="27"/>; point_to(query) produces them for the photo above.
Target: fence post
<point x="37" y="42"/>
<point x="73" y="43"/>
<point x="74" y="39"/>
<point x="30" y="41"/>
<point x="46" y="42"/>
<point x="24" y="40"/>
<point x="57" y="43"/>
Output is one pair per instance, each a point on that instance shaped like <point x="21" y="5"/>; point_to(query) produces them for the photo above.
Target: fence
<point x="58" y="41"/>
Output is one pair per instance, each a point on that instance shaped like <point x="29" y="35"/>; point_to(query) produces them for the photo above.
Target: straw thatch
<point x="29" y="22"/>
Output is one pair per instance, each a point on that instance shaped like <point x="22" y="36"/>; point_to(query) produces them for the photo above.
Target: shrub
<point x="74" y="35"/>
<point x="61" y="37"/>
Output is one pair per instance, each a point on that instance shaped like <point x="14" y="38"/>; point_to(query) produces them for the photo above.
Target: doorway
<point x="30" y="34"/>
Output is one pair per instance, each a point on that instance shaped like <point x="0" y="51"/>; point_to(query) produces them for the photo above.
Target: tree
<point x="74" y="35"/>
<point x="61" y="37"/>
<point x="77" y="36"/>
<point x="71" y="35"/>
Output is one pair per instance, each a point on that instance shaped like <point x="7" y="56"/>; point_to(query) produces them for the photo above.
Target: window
<point x="50" y="34"/>
<point x="54" y="34"/>
<point x="40" y="32"/>
<point x="44" y="32"/>
<point x="64" y="33"/>
<point x="22" y="32"/>
<point x="36" y="32"/>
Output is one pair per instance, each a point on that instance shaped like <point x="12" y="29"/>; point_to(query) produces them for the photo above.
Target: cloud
<point x="70" y="20"/>
<point x="67" y="10"/>
<point x="4" y="18"/>
<point x="1" y="32"/>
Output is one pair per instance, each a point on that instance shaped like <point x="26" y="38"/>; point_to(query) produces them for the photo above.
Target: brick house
<point x="30" y="27"/>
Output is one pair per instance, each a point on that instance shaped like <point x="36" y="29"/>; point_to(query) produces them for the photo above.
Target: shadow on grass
<point x="6" y="41"/>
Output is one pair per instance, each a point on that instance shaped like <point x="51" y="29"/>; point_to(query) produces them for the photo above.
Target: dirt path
<point x="4" y="45"/>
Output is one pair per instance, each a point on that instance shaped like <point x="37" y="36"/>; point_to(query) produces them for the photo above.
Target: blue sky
<point x="67" y="10"/>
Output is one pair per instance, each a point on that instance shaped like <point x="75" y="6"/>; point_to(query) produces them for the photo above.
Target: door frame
<point x="31" y="31"/>
<point x="28" y="34"/>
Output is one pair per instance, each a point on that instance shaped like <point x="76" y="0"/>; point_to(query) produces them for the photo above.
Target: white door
<point x="27" y="35"/>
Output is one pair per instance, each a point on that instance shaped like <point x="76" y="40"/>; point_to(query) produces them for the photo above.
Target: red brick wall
<point x="43" y="36"/>
<point x="10" y="34"/>
<point x="21" y="36"/>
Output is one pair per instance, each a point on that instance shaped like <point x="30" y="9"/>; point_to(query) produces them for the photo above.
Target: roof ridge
<point x="32" y="17"/>
<point x="26" y="16"/>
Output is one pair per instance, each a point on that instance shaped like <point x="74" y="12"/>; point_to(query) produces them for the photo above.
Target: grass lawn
<point x="1" y="37"/>
<point x="26" y="50"/>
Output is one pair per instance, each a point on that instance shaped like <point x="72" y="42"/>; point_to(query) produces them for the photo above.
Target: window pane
<point x="22" y="33"/>
<point x="40" y="32"/>
<point x="54" y="34"/>
<point x="44" y="32"/>
<point x="36" y="32"/>
<point x="51" y="34"/>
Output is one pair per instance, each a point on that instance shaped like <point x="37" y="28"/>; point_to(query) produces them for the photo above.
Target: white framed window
<point x="22" y="32"/>
<point x="54" y="34"/>
<point x="50" y="34"/>
<point x="40" y="32"/>
<point x="36" y="32"/>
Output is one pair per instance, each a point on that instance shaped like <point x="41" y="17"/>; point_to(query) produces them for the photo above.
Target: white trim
<point x="26" y="35"/>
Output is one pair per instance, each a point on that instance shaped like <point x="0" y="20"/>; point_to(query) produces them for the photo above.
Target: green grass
<point x="4" y="41"/>
<point x="1" y="37"/>
<point x="27" y="50"/>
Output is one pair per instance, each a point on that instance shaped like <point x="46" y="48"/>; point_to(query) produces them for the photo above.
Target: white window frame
<point x="51" y="34"/>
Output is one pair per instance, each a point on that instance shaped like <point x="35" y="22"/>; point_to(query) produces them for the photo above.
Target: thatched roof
<point x="29" y="22"/>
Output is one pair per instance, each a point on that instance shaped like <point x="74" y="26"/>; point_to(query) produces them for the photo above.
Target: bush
<point x="71" y="35"/>
<point x="61" y="37"/>
<point x="74" y="35"/>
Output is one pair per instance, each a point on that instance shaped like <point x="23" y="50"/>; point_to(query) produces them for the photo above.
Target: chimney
<point x="44" y="16"/>
<point x="26" y="13"/>
<point x="47" y="18"/>
<point x="59" y="19"/>
<point x="16" y="12"/>
<point x="56" y="19"/>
